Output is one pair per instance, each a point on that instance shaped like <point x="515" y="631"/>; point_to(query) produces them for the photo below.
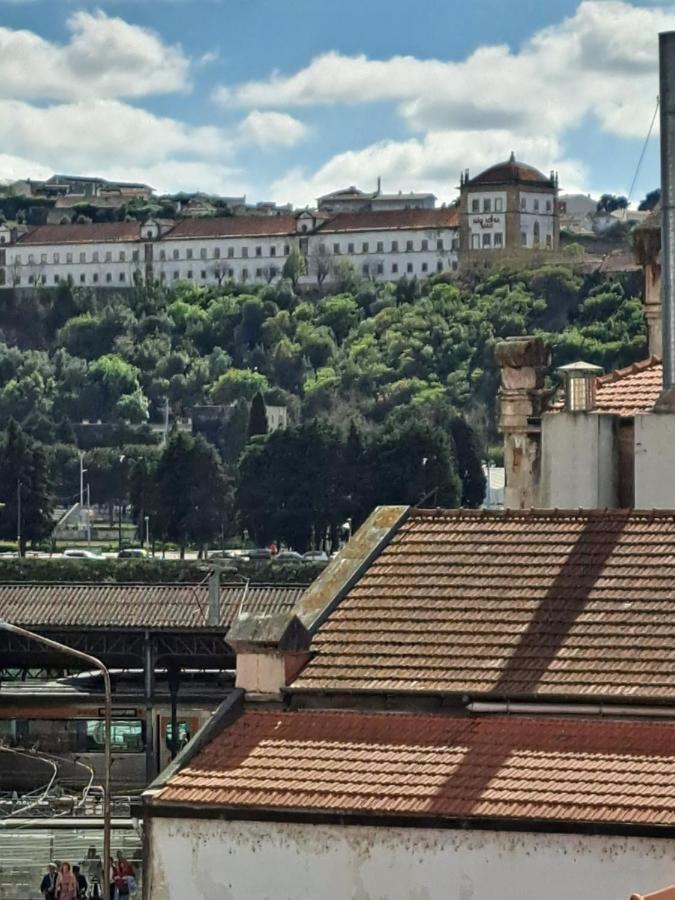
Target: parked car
<point x="225" y="554"/>
<point x="316" y="556"/>
<point x="77" y="553"/>
<point x="259" y="553"/>
<point x="133" y="553"/>
<point x="288" y="556"/>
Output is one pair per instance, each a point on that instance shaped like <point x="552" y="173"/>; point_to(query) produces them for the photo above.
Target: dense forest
<point x="390" y="391"/>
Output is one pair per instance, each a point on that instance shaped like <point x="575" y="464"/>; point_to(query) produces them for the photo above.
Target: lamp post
<point x="97" y="664"/>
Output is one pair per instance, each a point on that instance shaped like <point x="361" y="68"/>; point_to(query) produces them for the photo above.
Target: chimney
<point x="524" y="364"/>
<point x="666" y="402"/>
<point x="214" y="597"/>
<point x="271" y="650"/>
<point x="580" y="380"/>
<point x="379" y="185"/>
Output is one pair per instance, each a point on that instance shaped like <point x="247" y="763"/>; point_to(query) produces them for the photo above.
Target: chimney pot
<point x="580" y="385"/>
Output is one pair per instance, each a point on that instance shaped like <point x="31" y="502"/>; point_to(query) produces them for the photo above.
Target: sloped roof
<point x="445" y="217"/>
<point x="104" y="232"/>
<point x="119" y="605"/>
<point x="632" y="390"/>
<point x="512" y="172"/>
<point x="232" y="226"/>
<point x="507" y="767"/>
<point x="515" y="604"/>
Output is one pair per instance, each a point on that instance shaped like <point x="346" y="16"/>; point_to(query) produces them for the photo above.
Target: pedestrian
<point x="66" y="885"/>
<point x="81" y="883"/>
<point x="124" y="876"/>
<point x="92" y="867"/>
<point x="112" y="868"/>
<point x="48" y="883"/>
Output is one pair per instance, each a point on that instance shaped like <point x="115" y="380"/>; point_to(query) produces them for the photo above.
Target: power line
<point x="644" y="150"/>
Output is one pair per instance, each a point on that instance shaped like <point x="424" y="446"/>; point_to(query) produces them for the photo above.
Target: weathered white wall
<point x="213" y="860"/>
<point x="654" y="458"/>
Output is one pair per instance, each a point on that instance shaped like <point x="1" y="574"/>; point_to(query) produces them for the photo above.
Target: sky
<point x="288" y="99"/>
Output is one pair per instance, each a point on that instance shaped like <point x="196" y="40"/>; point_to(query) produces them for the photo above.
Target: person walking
<point x="48" y="883"/>
<point x="92" y="868"/>
<point x="81" y="883"/>
<point x="66" y="885"/>
<point x="124" y="872"/>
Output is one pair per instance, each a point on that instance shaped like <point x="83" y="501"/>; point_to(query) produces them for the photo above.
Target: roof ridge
<point x="632" y="369"/>
<point x="536" y="512"/>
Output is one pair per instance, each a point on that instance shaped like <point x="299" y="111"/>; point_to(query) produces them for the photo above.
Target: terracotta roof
<point x="105" y="232"/>
<point x="445" y="217"/>
<point x="664" y="894"/>
<point x="507" y="767"/>
<point x="117" y="605"/>
<point x="635" y="389"/>
<point x="233" y="226"/>
<point x="512" y="172"/>
<point x="509" y="604"/>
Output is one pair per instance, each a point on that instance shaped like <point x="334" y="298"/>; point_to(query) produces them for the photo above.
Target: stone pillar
<point x="524" y="364"/>
<point x="647" y="248"/>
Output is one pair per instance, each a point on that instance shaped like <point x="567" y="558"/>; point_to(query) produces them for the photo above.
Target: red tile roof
<point x="507" y="767"/>
<point x="633" y="390"/>
<point x="511" y="604"/>
<point x="445" y="217"/>
<point x="118" y="605"/>
<point x="103" y="232"/>
<point x="511" y="172"/>
<point x="232" y="226"/>
<point x="664" y="894"/>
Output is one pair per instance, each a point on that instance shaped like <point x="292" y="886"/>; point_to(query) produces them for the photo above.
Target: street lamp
<point x="97" y="664"/>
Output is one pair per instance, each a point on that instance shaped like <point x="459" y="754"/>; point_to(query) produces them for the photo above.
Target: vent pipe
<point x="580" y="386"/>
<point x="667" y="100"/>
<point x="213" y="617"/>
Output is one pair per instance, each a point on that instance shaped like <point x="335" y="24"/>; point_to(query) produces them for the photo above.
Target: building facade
<point x="509" y="207"/>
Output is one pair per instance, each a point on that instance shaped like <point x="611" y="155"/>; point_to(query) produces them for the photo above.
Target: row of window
<point x="70" y="257"/>
<point x="490" y="240"/>
<point x="95" y="279"/>
<point x="497" y="205"/>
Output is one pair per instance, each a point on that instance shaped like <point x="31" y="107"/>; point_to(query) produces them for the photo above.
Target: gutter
<point x="508" y="707"/>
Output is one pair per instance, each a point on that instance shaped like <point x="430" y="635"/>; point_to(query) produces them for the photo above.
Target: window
<point x="43" y="258"/>
<point x="350" y="248"/>
<point x="273" y="250"/>
<point x="380" y="246"/>
<point x="134" y="256"/>
<point x="162" y="277"/>
<point x="548" y="206"/>
<point x="454" y="266"/>
<point x="499" y="204"/>
<point x="176" y="276"/>
<point x="258" y="273"/>
<point x="475" y="205"/>
<point x="394" y="268"/>
<point x="17" y="280"/>
<point x="380" y="268"/>
<point x="31" y="279"/>
<point x="108" y="256"/>
<point x="394" y="246"/>
<point x="549" y="242"/>
<point x="189" y="274"/>
<point x="94" y="277"/>
<point x="188" y="253"/>
<point x="108" y="277"/>
<point x="83" y="257"/>
<point x="122" y="276"/>
<point x="244" y="274"/>
<point x="123" y="256"/>
<point x="523" y="238"/>
<point x="364" y="247"/>
<point x="216" y="252"/>
<point x="273" y="271"/>
<point x="31" y="259"/>
<point x="409" y="267"/>
<point x="455" y="243"/>
<point x="439" y="266"/>
<point x="487" y="240"/>
<point x="322" y="249"/>
<point x="175" y="254"/>
<point x="287" y="249"/>
<point x="230" y="252"/>
<point x="424" y="245"/>
<point x="162" y="254"/>
<point x="202" y="253"/>
<point x="475" y="242"/>
<point x="258" y="251"/>
<point x="244" y="252"/>
<point x="82" y="278"/>
<point x="56" y="279"/>
<point x="497" y="242"/>
<point x="523" y="204"/>
<point x="535" y="206"/>
<point x="44" y="279"/>
<point x="336" y="249"/>
<point x="487" y="205"/>
<point x="203" y="274"/>
<point x="439" y="244"/>
<point x="408" y="246"/>
<point x="425" y="267"/>
<point x="69" y="257"/>
<point x="304" y="245"/>
<point x="230" y="273"/>
<point x="365" y="269"/>
<point x="3" y="239"/>
<point x="94" y="256"/>
<point x="17" y="259"/>
<point x="536" y="234"/>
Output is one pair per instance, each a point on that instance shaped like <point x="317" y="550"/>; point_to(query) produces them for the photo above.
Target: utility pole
<point x="147" y="531"/>
<point x="88" y="514"/>
<point x="82" y="471"/>
<point x="18" y="516"/>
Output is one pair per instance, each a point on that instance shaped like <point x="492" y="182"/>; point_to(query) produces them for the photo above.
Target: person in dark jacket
<point x="81" y="882"/>
<point x="48" y="883"/>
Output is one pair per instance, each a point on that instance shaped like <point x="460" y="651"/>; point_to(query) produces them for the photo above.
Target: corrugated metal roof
<point x="116" y="605"/>
<point x="508" y="767"/>
<point x="513" y="604"/>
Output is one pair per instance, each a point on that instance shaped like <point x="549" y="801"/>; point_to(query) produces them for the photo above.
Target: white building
<point x="352" y="199"/>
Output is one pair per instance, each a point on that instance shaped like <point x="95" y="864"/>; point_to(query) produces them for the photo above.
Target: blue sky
<point x="286" y="99"/>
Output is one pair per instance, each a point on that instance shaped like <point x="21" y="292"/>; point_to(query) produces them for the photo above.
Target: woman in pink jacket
<point x="66" y="884"/>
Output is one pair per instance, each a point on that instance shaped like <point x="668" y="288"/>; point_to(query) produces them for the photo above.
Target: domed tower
<point x="509" y="207"/>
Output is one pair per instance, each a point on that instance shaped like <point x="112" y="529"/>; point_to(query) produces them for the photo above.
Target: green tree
<point x="295" y="267"/>
<point x="238" y="384"/>
<point x="469" y="463"/>
<point x="24" y="489"/>
<point x="257" y="420"/>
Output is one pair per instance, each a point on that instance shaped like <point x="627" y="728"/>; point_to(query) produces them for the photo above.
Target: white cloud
<point x="272" y="129"/>
<point x="105" y="57"/>
<point x="13" y="168"/>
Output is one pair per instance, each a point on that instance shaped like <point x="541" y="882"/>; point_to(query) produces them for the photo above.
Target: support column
<point x="148" y="691"/>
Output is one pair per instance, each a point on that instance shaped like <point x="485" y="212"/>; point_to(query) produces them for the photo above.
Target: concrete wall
<point x="655" y="461"/>
<point x="218" y="860"/>
<point x="579" y="461"/>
